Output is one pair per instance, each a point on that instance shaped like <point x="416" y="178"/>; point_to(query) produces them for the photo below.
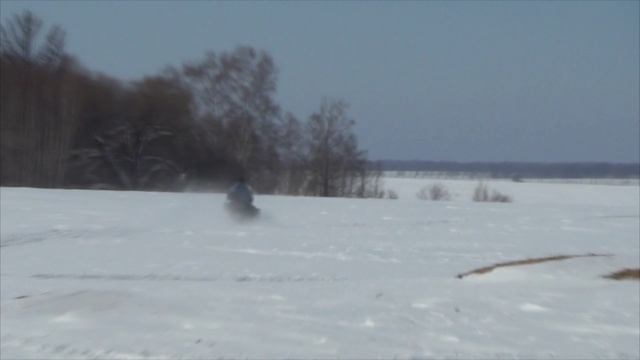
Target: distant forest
<point x="196" y="126"/>
<point x="516" y="170"/>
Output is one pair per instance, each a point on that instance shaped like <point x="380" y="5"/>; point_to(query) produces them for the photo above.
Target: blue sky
<point x="460" y="80"/>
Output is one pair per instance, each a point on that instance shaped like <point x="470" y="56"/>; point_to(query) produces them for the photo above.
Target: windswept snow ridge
<point x="132" y="275"/>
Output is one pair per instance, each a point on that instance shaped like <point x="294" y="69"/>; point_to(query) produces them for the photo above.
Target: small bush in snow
<point x="391" y="194"/>
<point x="435" y="192"/>
<point x="423" y="194"/>
<point x="439" y="192"/>
<point x="481" y="194"/>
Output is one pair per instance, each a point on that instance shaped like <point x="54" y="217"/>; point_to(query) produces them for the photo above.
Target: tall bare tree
<point x="334" y="158"/>
<point x="37" y="119"/>
<point x="237" y="91"/>
<point x="293" y="143"/>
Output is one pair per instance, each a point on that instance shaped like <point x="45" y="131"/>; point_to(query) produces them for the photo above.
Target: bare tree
<point x="122" y="153"/>
<point x="237" y="90"/>
<point x="335" y="162"/>
<point x="138" y="137"/>
<point x="38" y="107"/>
<point x="292" y="152"/>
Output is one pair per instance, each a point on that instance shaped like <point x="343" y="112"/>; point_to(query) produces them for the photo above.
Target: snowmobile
<point x="241" y="211"/>
<point x="240" y="201"/>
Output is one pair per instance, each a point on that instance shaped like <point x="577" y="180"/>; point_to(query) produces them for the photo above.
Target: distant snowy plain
<point x="126" y="275"/>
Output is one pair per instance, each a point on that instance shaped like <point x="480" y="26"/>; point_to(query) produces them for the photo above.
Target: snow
<point x="128" y="275"/>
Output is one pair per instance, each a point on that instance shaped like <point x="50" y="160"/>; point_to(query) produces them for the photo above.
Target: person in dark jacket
<point x="240" y="201"/>
<point x="240" y="193"/>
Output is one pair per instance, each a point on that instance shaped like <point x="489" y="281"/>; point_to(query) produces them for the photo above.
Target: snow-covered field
<point x="101" y="274"/>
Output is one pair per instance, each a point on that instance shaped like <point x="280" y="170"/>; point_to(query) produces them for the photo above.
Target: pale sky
<point x="461" y="80"/>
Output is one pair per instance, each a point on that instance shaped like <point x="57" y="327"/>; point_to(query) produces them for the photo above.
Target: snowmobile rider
<point x="240" y="193"/>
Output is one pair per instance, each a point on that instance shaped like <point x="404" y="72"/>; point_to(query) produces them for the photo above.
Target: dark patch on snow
<point x="486" y="269"/>
<point x="624" y="274"/>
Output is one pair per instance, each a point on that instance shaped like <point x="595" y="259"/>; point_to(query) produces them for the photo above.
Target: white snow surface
<point x="126" y="275"/>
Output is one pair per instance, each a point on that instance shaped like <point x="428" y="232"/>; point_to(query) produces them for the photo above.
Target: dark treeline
<point x="194" y="126"/>
<point x="521" y="169"/>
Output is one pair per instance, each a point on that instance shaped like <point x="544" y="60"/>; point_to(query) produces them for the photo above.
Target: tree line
<point x="577" y="170"/>
<point x="196" y="126"/>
